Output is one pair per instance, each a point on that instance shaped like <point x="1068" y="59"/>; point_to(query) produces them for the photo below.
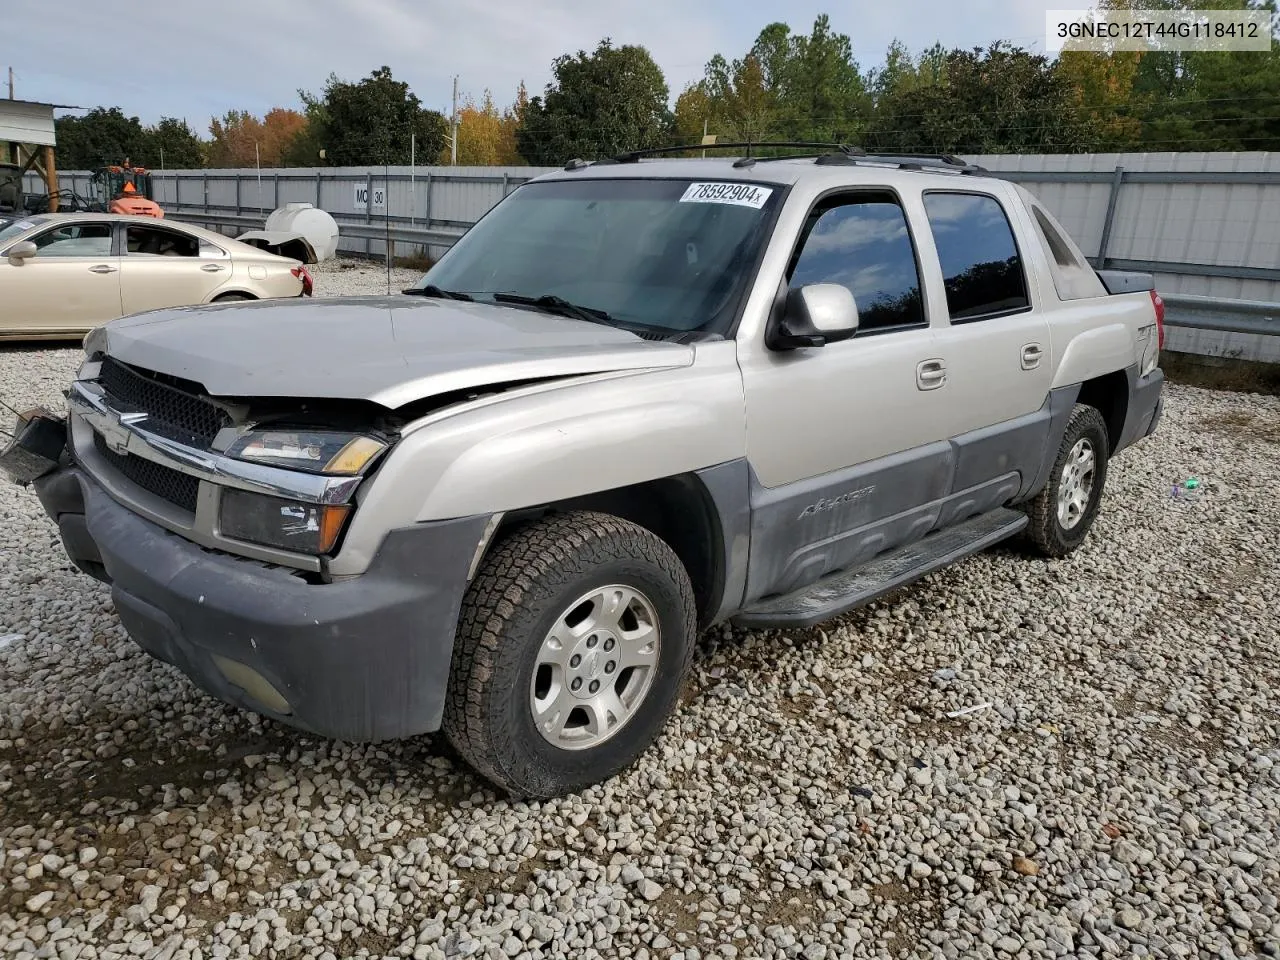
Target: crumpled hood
<point x="390" y="350"/>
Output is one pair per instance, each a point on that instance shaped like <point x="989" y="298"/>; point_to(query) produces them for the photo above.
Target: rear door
<point x="73" y="281"/>
<point x="995" y="345"/>
<point x="162" y="267"/>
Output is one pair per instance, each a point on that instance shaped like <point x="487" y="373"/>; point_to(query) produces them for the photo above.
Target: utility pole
<point x="453" y="144"/>
<point x="11" y="83"/>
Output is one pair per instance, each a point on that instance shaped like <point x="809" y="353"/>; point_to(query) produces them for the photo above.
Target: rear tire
<point x="572" y="647"/>
<point x="232" y="297"/>
<point x="1063" y="512"/>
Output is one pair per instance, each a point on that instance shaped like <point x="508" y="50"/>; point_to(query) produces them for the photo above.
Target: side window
<point x="980" y="261"/>
<point x="75" y="240"/>
<point x="862" y="242"/>
<point x="152" y="241"/>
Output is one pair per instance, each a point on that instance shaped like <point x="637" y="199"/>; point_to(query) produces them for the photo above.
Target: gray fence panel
<point x="1205" y="224"/>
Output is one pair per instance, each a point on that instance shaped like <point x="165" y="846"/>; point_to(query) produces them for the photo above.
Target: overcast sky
<point x="176" y="58"/>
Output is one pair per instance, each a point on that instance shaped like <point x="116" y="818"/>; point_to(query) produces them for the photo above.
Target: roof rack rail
<point x="844" y="149"/>
<point x="911" y="161"/>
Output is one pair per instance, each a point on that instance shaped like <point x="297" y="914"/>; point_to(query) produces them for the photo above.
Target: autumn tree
<point x="486" y="135"/>
<point x="598" y="104"/>
<point x="240" y="139"/>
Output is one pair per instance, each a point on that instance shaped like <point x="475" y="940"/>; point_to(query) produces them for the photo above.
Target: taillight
<point x="1158" y="302"/>
<point x="307" y="286"/>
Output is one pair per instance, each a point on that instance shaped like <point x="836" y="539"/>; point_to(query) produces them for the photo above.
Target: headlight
<point x="314" y="451"/>
<point x="311" y="528"/>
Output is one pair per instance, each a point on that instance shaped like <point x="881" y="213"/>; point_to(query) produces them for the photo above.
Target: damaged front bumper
<point x="362" y="659"/>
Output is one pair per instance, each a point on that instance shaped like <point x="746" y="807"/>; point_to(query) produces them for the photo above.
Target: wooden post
<point x="51" y="179"/>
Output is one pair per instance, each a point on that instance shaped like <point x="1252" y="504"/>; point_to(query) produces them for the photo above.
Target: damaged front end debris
<point x="36" y="446"/>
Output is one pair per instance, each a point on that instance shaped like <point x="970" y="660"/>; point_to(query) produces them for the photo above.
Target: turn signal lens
<point x="354" y="457"/>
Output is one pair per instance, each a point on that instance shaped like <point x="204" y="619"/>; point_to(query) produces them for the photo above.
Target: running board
<point x="838" y="594"/>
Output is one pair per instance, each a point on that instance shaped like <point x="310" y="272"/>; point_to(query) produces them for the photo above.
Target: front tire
<point x="1063" y="512"/>
<point x="574" y="642"/>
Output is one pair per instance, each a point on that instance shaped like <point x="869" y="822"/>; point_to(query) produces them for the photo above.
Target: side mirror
<point x="814" y="315"/>
<point x="23" y="250"/>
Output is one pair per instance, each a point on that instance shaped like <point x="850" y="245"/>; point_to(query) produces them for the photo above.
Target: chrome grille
<point x="172" y="411"/>
<point x="171" y="485"/>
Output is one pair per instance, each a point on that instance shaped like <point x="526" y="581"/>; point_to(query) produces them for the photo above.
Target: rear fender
<point x="1095" y="352"/>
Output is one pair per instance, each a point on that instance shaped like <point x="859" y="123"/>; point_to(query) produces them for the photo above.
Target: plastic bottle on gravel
<point x="1188" y="491"/>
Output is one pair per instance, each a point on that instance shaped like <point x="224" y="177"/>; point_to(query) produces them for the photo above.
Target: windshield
<point x="11" y="230"/>
<point x="664" y="254"/>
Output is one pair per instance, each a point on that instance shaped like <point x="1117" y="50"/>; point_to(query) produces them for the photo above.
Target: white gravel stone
<point x="852" y="818"/>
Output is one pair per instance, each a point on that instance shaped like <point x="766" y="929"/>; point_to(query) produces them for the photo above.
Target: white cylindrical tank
<point x="313" y="224"/>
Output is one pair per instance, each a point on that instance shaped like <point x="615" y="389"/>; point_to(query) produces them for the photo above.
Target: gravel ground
<point x="812" y="798"/>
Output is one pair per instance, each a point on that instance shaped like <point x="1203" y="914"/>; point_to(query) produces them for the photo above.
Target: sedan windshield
<point x="668" y="255"/>
<point x="10" y="230"/>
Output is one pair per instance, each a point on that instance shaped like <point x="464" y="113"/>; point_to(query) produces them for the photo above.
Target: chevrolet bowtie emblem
<point x="115" y="433"/>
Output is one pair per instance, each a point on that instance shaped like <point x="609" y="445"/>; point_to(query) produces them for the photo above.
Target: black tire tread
<point x="1043" y="531"/>
<point x="517" y="580"/>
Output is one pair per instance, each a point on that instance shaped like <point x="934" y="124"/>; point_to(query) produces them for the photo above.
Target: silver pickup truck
<point x="638" y="398"/>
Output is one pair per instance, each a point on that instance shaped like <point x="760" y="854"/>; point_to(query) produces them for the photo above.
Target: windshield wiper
<point x="559" y="305"/>
<point x="431" y="290"/>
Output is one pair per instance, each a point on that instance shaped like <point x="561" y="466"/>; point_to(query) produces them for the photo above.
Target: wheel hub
<point x="595" y="667"/>
<point x="1076" y="484"/>
<point x="594" y="658"/>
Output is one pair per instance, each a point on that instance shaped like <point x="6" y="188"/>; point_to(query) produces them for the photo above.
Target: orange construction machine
<point x="125" y="189"/>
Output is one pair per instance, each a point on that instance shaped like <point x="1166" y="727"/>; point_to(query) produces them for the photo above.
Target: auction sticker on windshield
<point x="738" y="194"/>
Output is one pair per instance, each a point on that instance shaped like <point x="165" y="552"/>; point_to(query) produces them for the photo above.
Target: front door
<point x="848" y="442"/>
<point x="167" y="268"/>
<point x="71" y="284"/>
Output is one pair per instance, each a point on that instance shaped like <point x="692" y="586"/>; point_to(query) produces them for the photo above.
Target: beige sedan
<point x="61" y="274"/>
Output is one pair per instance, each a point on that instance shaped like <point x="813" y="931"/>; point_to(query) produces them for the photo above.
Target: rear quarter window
<point x="1073" y="278"/>
<point x="981" y="265"/>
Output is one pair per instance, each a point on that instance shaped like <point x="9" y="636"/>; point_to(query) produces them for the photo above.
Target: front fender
<point x="547" y="445"/>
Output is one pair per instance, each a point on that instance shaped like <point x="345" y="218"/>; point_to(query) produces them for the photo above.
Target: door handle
<point x="1031" y="354"/>
<point x="212" y="268"/>
<point x="930" y="374"/>
<point x="102" y="268"/>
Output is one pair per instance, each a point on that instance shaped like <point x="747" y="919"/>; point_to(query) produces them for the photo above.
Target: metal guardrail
<point x="1222" y="315"/>
<point x="375" y="230"/>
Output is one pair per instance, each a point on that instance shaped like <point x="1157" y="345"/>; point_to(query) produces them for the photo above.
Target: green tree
<point x="999" y="100"/>
<point x="786" y="86"/>
<point x="173" y="145"/>
<point x="598" y="104"/>
<point x="304" y="150"/>
<point x="371" y="121"/>
<point x="746" y="108"/>
<point x="822" y="94"/>
<point x="103" y="135"/>
<point x="1212" y="100"/>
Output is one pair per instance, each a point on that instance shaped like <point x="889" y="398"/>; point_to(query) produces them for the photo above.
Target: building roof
<point x="41" y="103"/>
<point x="24" y="121"/>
